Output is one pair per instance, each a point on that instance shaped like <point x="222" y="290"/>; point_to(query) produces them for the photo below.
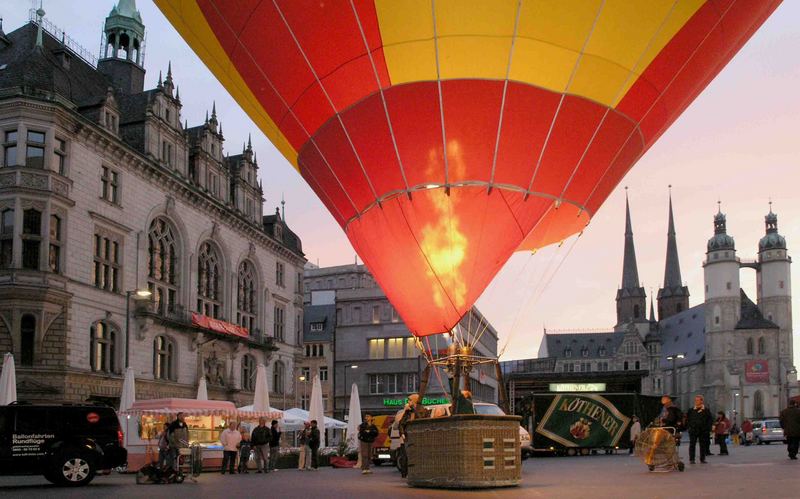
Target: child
<point x="244" y="451"/>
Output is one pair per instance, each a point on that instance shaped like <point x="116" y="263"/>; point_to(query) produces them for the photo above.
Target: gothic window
<point x="103" y="347"/>
<point x="27" y="332"/>
<point x="34" y="152"/>
<point x="248" y="373"/>
<point x="107" y="257"/>
<point x="279" y="274"/>
<point x="31" y="238"/>
<point x="749" y="346"/>
<point x="762" y="346"/>
<point x="10" y="148"/>
<point x="163" y="255"/>
<point x="163" y="358"/>
<point x="6" y="238"/>
<point x="60" y="156"/>
<point x="246" y="297"/>
<point x="278" y="327"/>
<point x="758" y="404"/>
<point x="109" y="180"/>
<point x="209" y="281"/>
<point x="278" y="376"/>
<point x="636" y="311"/>
<point x="55" y="244"/>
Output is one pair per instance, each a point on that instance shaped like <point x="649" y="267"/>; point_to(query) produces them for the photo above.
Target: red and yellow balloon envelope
<point x="443" y="135"/>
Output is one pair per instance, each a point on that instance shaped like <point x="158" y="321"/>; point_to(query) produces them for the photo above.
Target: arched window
<point x="163" y="358"/>
<point x="27" y="332"/>
<point x="31" y="238"/>
<point x="248" y="373"/>
<point x="762" y="345"/>
<point x="636" y="311"/>
<point x="749" y="346"/>
<point x="209" y="280"/>
<point x="758" y="404"/>
<point x="246" y="297"/>
<point x="102" y="356"/>
<point x="6" y="238"/>
<point x="278" y="373"/>
<point x="163" y="259"/>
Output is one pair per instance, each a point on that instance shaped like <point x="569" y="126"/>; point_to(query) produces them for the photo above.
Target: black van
<point x="67" y="443"/>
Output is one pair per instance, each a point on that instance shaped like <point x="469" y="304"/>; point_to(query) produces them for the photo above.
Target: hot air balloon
<point x="443" y="135"/>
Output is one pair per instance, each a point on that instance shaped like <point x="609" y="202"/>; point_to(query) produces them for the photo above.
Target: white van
<point x="443" y="410"/>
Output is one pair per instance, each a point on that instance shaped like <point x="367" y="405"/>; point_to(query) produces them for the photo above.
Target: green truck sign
<point x="425" y="401"/>
<point x="583" y="420"/>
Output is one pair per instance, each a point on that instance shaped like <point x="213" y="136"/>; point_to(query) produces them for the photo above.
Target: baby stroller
<point x="656" y="446"/>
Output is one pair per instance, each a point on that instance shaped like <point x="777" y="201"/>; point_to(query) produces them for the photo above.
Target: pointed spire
<point x="169" y="71"/>
<point x="160" y="84"/>
<point x="249" y="143"/>
<point x="39" y="17"/>
<point x="185" y="124"/>
<point x="283" y="208"/>
<point x="652" y="310"/>
<point x="214" y="109"/>
<point x="220" y="128"/>
<point x="630" y="272"/>
<point x="672" y="269"/>
<point x="177" y="93"/>
<point x="206" y="115"/>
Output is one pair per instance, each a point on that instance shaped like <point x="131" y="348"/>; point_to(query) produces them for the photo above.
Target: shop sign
<point x="577" y="387"/>
<point x="425" y="401"/>
<point x="583" y="421"/>
<point x="756" y="371"/>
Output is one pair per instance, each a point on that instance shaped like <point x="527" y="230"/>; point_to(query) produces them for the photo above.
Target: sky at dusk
<point x="738" y="142"/>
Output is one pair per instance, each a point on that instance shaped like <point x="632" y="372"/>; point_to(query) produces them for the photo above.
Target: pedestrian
<point x="304" y="463"/>
<point x="367" y="433"/>
<point x="636" y="430"/>
<point x="259" y="440"/>
<point x="178" y="436"/>
<point x="747" y="431"/>
<point x="790" y="422"/>
<point x="669" y="417"/>
<point x="698" y="422"/>
<point x="313" y="444"/>
<point x="274" y="445"/>
<point x="722" y="428"/>
<point x="410" y="413"/>
<point x="163" y="446"/>
<point x="245" y="447"/>
<point x="230" y="439"/>
<point x="735" y="433"/>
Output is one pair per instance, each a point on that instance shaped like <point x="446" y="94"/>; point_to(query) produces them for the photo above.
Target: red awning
<point x="219" y="326"/>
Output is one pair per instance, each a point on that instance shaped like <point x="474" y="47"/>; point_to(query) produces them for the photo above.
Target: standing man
<point x="367" y="433"/>
<point x="178" y="437"/>
<point x="698" y="422"/>
<point x="260" y="441"/>
<point x="747" y="431"/>
<point x="313" y="443"/>
<point x="722" y="428"/>
<point x="274" y="445"/>
<point x="669" y="417"/>
<point x="230" y="439"/>
<point x="636" y="430"/>
<point x="305" y="453"/>
<point x="790" y="422"/>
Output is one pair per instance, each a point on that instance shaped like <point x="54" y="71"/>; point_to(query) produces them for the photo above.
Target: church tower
<point x="774" y="282"/>
<point x="631" y="299"/>
<point x="721" y="276"/>
<point x="122" y="57"/>
<point x="673" y="297"/>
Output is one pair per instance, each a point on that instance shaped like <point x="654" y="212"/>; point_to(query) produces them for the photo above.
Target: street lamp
<point x="140" y="293"/>
<point x="347" y="393"/>
<point x="674" y="358"/>
<point x="303" y="380"/>
<point x="788" y="394"/>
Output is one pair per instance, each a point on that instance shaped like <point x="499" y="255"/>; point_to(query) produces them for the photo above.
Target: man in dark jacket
<point x="260" y="441"/>
<point x="698" y="422"/>
<point x="313" y="444"/>
<point x="790" y="422"/>
<point x="367" y="433"/>
<point x="669" y="417"/>
<point x="274" y="446"/>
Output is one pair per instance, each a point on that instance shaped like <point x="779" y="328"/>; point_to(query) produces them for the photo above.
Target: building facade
<point x="106" y="195"/>
<point x="372" y="347"/>
<point x="735" y="352"/>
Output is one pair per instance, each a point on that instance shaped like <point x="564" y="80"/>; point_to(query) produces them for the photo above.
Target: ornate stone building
<point x="103" y="192"/>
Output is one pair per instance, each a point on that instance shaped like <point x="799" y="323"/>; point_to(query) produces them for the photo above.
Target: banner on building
<point x="578" y="420"/>
<point x="219" y="326"/>
<point x="756" y="371"/>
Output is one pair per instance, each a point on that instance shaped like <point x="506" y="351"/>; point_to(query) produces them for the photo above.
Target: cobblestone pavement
<point x="749" y="472"/>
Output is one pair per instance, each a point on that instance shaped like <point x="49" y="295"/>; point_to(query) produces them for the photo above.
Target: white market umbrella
<point x="126" y="399"/>
<point x="330" y="423"/>
<point x="316" y="410"/>
<point x="261" y="398"/>
<point x="202" y="389"/>
<point x="8" y="381"/>
<point x="354" y="418"/>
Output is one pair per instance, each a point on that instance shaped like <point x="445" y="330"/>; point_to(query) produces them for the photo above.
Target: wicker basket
<point x="467" y="451"/>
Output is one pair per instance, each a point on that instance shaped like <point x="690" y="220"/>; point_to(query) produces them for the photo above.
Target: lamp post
<point x="303" y="380"/>
<point x="674" y="358"/>
<point x="346" y="393"/>
<point x="788" y="395"/>
<point x="140" y="293"/>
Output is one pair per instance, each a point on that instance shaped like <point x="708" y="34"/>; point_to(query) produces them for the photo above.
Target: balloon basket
<point x="469" y="451"/>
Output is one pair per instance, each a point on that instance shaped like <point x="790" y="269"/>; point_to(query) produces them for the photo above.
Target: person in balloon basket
<point x="313" y="443"/>
<point x="259" y="439"/>
<point x="274" y="445"/>
<point x="230" y="439"/>
<point x="670" y="417"/>
<point x="178" y="437"/>
<point x="698" y="422"/>
<point x="410" y="413"/>
<point x="367" y="433"/>
<point x="790" y="422"/>
<point x="722" y="428"/>
<point x="304" y="463"/>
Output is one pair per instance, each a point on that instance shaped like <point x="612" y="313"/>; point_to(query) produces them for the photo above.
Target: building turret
<point x="122" y="57"/>
<point x="673" y="297"/>
<point x="631" y="298"/>
<point x="721" y="276"/>
<point x="774" y="276"/>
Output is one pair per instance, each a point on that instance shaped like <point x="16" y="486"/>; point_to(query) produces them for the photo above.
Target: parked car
<point x="766" y="431"/>
<point x="443" y="410"/>
<point x="66" y="443"/>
